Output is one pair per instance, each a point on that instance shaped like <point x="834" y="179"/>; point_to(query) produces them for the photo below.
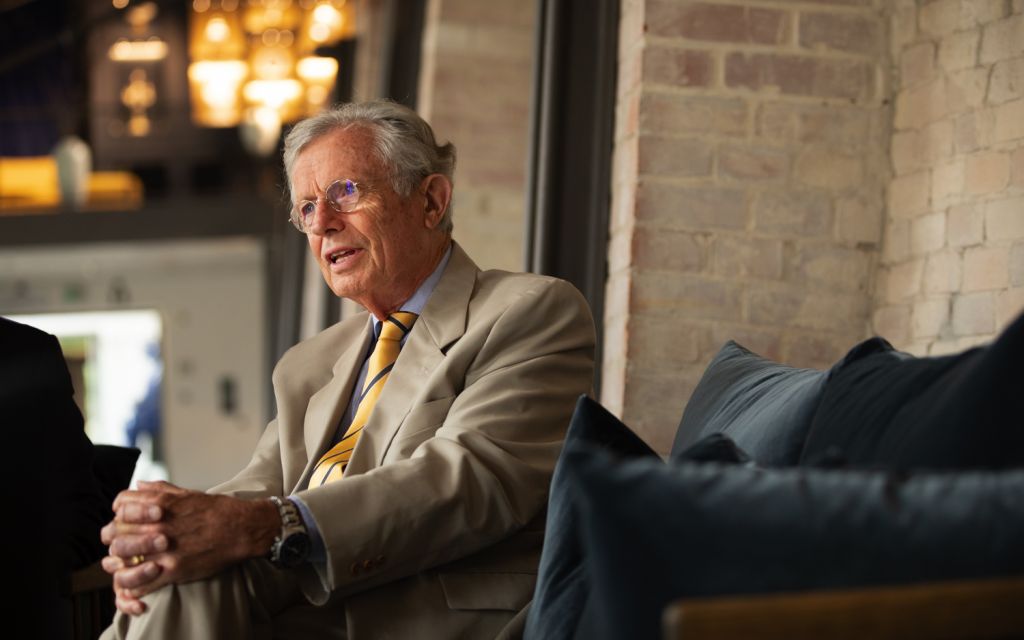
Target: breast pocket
<point x="419" y="424"/>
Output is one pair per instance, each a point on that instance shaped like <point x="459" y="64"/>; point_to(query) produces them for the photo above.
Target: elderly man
<point x="400" y="491"/>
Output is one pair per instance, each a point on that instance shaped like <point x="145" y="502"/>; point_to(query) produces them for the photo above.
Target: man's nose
<point x="324" y="218"/>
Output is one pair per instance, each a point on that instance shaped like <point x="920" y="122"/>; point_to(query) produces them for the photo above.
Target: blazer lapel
<point x="327" y="405"/>
<point x="442" y="322"/>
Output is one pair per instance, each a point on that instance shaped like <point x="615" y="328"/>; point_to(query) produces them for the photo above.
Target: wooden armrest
<point x="972" y="609"/>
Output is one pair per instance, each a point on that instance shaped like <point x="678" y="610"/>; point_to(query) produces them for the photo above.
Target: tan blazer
<point x="435" y="531"/>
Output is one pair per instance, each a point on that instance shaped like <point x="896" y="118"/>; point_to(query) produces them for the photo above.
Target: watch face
<point x="295" y="549"/>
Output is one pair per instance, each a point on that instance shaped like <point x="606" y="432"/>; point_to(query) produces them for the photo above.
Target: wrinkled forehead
<point x="348" y="152"/>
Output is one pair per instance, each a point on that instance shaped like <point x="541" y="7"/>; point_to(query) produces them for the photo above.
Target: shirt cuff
<point x="318" y="552"/>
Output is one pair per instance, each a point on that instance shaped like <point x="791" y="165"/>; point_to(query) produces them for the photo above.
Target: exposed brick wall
<point x="750" y="169"/>
<point x="952" y="264"/>
<point x="475" y="85"/>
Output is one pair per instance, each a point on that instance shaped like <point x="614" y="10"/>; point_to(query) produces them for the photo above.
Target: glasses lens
<point x="302" y="213"/>
<point x="344" y="194"/>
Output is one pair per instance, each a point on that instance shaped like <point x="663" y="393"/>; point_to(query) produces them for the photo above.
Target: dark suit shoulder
<point x="30" y="360"/>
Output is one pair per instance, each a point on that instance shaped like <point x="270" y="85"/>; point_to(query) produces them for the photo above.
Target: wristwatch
<point x="291" y="548"/>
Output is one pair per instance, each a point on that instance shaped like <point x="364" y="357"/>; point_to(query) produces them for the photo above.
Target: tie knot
<point x="397" y="325"/>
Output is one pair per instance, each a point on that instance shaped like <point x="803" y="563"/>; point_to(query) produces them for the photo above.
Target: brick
<point x="906" y="152"/>
<point x="939" y="17"/>
<point x="752" y="164"/>
<point x="620" y="251"/>
<point x="845" y="130"/>
<point x="986" y="269"/>
<point x="717" y="23"/>
<point x="942" y="272"/>
<point x="859" y="220"/>
<point x="669" y="250"/>
<point x="825" y="167"/>
<point x="631" y="23"/>
<point x="974" y="314"/>
<point x="788" y="308"/>
<point x="765" y="342"/>
<point x="928" y="233"/>
<point x="1003" y="40"/>
<point x="674" y="157"/>
<point x="840" y="32"/>
<point x="677" y="67"/>
<point x="909" y="195"/>
<point x="1007" y="81"/>
<point x="987" y="172"/>
<point x="690" y="208"/>
<point x="653" y="402"/>
<point x="745" y="257"/>
<point x="972" y="131"/>
<point x="1004" y="219"/>
<point x="666" y="113"/>
<point x="917" y="64"/>
<point x="828" y="267"/>
<point x="902" y="26"/>
<point x="947" y="183"/>
<point x="982" y="11"/>
<point x="965" y="226"/>
<point x="896" y="241"/>
<point x="959" y="50"/>
<point x="928" y="317"/>
<point x="684" y="296"/>
<point x="1009" y="121"/>
<point x="1017" y="167"/>
<point x="776" y="122"/>
<point x="892" y="322"/>
<point x="917" y="149"/>
<point x="800" y="75"/>
<point x="661" y="345"/>
<point x="918" y="105"/>
<point x="966" y="89"/>
<point x="793" y="213"/>
<point x="815" y="351"/>
<point x="631" y="70"/>
<point x="1009" y="307"/>
<point x="1017" y="265"/>
<point x="903" y="281"/>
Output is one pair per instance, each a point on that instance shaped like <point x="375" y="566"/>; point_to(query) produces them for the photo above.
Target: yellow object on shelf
<point x="29" y="185"/>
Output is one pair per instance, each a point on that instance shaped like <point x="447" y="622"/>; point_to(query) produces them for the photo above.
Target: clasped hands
<point x="163" y="534"/>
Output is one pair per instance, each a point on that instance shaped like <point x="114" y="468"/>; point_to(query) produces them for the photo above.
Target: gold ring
<point x="137" y="560"/>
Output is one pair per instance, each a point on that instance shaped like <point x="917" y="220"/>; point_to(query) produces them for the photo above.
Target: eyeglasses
<point x="342" y="196"/>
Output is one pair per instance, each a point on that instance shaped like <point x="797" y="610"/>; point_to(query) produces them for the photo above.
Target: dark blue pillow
<point x="764" y="407"/>
<point x="891" y="410"/>
<point x="562" y="585"/>
<point x="653" y="533"/>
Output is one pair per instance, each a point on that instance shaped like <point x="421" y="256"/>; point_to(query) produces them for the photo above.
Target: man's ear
<point x="437" y="194"/>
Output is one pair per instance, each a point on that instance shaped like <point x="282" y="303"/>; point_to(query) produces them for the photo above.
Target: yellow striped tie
<point x="332" y="465"/>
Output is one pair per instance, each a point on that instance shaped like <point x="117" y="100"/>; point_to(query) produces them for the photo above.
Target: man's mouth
<point x="340" y="255"/>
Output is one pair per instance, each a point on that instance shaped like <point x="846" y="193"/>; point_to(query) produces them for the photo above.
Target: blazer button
<point x="367" y="565"/>
<point x="355" y="568"/>
<point x="379" y="560"/>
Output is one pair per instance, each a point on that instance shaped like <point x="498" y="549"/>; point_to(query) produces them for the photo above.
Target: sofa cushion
<point x="562" y="588"/>
<point x="653" y="533"/>
<point x="891" y="410"/>
<point x="764" y="407"/>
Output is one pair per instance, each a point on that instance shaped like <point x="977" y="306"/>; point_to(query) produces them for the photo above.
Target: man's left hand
<point x="163" y="534"/>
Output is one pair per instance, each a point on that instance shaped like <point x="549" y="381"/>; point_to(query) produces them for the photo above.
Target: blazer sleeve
<point x="485" y="471"/>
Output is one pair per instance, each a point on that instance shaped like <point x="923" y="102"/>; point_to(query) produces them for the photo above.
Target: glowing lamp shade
<point x="215" y="88"/>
